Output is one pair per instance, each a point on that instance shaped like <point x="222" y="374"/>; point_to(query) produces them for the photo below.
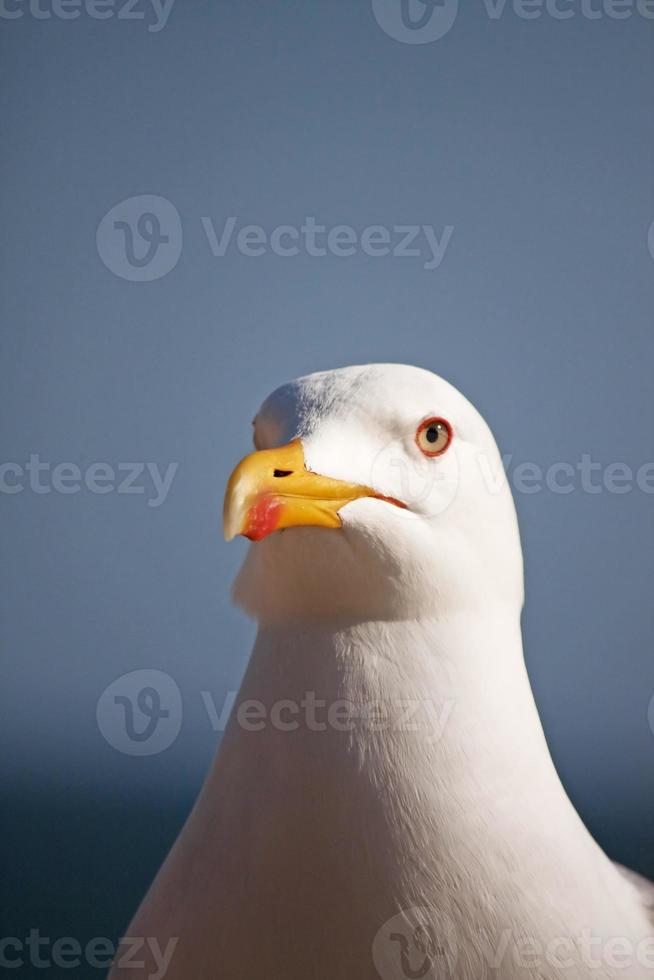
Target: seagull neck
<point x="381" y="760"/>
<point x="388" y="683"/>
<point x="477" y="647"/>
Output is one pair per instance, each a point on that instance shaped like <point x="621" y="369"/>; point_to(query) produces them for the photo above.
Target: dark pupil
<point x="432" y="434"/>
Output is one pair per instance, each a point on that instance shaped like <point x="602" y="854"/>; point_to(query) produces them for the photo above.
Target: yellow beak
<point x="272" y="489"/>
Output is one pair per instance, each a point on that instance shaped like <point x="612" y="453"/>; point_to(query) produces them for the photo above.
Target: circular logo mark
<point x="416" y="944"/>
<point x="415" y="21"/>
<point x="140" y="239"/>
<point x="140" y="713"/>
<point x="426" y="486"/>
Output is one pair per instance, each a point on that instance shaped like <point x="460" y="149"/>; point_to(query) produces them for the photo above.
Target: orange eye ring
<point x="434" y="436"/>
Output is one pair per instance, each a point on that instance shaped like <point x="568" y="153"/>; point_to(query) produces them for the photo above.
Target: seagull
<point x="383" y="802"/>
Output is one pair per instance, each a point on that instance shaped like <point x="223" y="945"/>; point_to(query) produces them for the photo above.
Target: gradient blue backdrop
<point x="533" y="139"/>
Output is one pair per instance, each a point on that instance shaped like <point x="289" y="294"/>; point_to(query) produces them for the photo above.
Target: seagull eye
<point x="433" y="436"/>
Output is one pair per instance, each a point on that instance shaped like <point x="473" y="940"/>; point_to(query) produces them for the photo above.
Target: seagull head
<point x="374" y="492"/>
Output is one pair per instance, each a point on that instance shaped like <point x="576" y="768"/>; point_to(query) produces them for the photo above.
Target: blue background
<point x="533" y="139"/>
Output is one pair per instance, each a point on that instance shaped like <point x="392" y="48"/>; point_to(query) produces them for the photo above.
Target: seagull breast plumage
<point x="383" y="803"/>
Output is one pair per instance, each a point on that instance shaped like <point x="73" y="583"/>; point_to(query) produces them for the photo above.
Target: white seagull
<point x="383" y="803"/>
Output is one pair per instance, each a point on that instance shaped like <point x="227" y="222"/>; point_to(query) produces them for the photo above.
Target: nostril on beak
<point x="281" y="473"/>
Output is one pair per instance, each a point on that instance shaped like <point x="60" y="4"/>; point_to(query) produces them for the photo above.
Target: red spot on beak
<point x="263" y="518"/>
